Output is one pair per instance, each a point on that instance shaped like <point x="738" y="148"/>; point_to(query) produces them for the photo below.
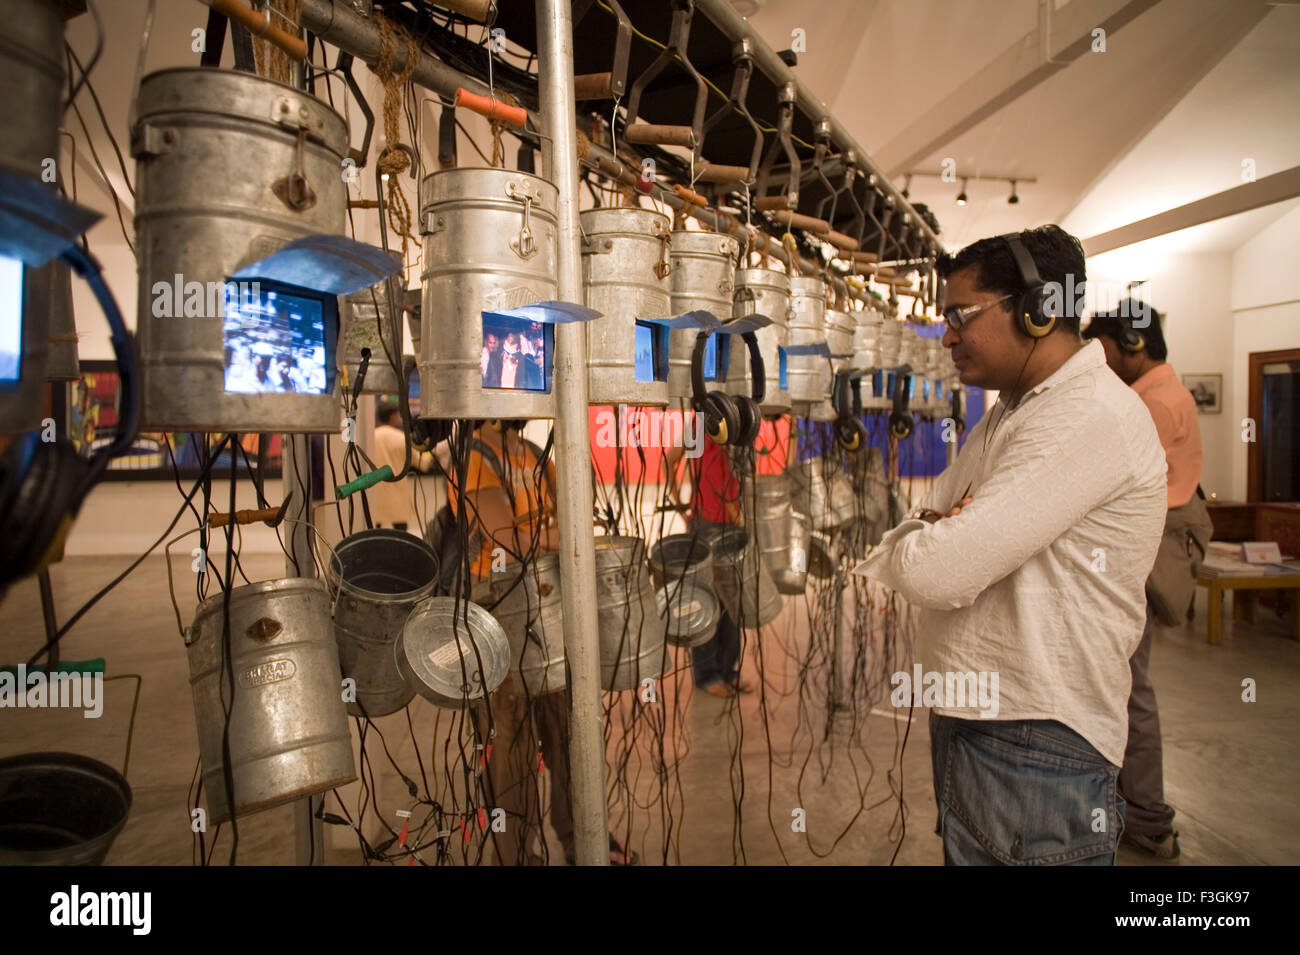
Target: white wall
<point x="1266" y="315"/>
<point x="1192" y="292"/>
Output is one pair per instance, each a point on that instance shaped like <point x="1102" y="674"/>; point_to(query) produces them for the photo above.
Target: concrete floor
<point x="1231" y="768"/>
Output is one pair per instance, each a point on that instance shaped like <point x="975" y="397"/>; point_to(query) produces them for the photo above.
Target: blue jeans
<point x="719" y="659"/>
<point x="1022" y="792"/>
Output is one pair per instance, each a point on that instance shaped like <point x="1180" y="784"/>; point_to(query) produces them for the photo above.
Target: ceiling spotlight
<point x="907" y="187"/>
<point x="961" y="196"/>
<point x="1013" y="198"/>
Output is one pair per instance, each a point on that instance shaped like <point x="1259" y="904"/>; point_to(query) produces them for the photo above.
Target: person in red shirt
<point x="1136" y="351"/>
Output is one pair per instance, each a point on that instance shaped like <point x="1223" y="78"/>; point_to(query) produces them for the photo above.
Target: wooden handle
<point x="864" y="257"/>
<point x="261" y="25"/>
<point x="243" y="517"/>
<point x="716" y="173"/>
<point x="842" y="241"/>
<point x="617" y="171"/>
<point x="491" y="108"/>
<point x="474" y="9"/>
<point x="593" y="86"/>
<point x="658" y="135"/>
<point x="771" y="203"/>
<point x="799" y="221"/>
<point x="690" y="195"/>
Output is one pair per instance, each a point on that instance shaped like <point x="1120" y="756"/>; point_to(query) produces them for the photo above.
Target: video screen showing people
<point x="274" y="341"/>
<point x="11" y="319"/>
<point x="514" y="354"/>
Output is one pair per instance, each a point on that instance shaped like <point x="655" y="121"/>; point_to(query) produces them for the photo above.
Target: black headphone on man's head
<point x="1129" y="340"/>
<point x="1032" y="315"/>
<point x="729" y="419"/>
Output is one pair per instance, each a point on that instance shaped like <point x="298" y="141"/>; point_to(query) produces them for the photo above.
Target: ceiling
<point x="1183" y="92"/>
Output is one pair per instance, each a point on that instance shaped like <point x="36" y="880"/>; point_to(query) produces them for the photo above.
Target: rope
<point x="498" y="127"/>
<point x="270" y="60"/>
<point x="394" y="162"/>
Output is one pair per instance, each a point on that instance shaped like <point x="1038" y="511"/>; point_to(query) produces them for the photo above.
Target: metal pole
<point x="308" y="833"/>
<point x="573" y="446"/>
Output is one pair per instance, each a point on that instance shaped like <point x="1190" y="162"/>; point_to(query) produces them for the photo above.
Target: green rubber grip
<point x="361" y="483"/>
<point x="65" y="666"/>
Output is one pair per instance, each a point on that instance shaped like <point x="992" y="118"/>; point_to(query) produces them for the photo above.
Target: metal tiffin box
<point x="762" y="292"/>
<point x="682" y="568"/>
<point x="631" y="628"/>
<point x="488" y="312"/>
<point x="626" y="261"/>
<point x="808" y="370"/>
<point x="741" y="580"/>
<point x="838" y="328"/>
<point x="287" y="729"/>
<point x="375" y="578"/>
<point x="372" y="319"/>
<point x="782" y="533"/>
<point x="526" y="600"/>
<point x="240" y="208"/>
<point x="452" y="651"/>
<point x="703" y="279"/>
<point x="868" y="329"/>
<point x="31" y="75"/>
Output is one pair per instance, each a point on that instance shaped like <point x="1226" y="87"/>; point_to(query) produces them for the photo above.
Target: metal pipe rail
<point x="342" y="26"/>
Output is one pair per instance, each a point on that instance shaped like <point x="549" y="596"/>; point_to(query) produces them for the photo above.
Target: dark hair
<point x="1138" y="316"/>
<point x="1057" y="255"/>
<point x="385" y="410"/>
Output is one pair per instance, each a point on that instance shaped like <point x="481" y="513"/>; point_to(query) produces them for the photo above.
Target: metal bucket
<point x="889" y="346"/>
<point x="821" y="556"/>
<point x="64" y="364"/>
<point x="631" y="628"/>
<point x="59" y="809"/>
<point x="808" y="376"/>
<point x="866" y="339"/>
<point x="741" y="580"/>
<point x="703" y="277"/>
<point x="766" y="292"/>
<point x="288" y="729"/>
<point x="827" y="502"/>
<point x="682" y="568"/>
<point x="489" y="245"/>
<point x="214" y="152"/>
<point x="384" y="573"/>
<point x="625" y="265"/>
<point x="372" y="318"/>
<point x="532" y="614"/>
<point x="840" y="327"/>
<point x="452" y="658"/>
<point x="782" y="538"/>
<point x="31" y="75"/>
<point x="690" y="610"/>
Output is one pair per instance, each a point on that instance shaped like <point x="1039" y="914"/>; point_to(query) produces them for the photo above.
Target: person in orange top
<point x="1136" y="351"/>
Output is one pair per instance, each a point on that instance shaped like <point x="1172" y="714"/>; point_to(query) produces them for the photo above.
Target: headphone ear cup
<point x="41" y="503"/>
<point x="901" y="423"/>
<point x="850" y="434"/>
<point x="751" y="420"/>
<point x="721" y="421"/>
<point x="1131" y="342"/>
<point x="1032" y="315"/>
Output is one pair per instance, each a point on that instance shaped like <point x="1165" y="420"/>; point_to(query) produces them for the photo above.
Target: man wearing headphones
<point x="1027" y="561"/>
<point x="1135" y="350"/>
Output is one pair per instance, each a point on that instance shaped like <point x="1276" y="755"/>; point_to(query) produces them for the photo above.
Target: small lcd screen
<point x="275" y="339"/>
<point x="781" y="372"/>
<point x="11" y="319"/>
<point x="515" y="354"/>
<point x="650" y="353"/>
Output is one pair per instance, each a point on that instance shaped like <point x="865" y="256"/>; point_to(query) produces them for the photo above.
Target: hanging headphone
<point x="42" y="483"/>
<point x="1032" y="315"/>
<point x="901" y="422"/>
<point x="850" y="433"/>
<point x="729" y="419"/>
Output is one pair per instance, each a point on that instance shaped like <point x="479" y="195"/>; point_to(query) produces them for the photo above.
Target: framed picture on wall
<point x="87" y="412"/>
<point x="1207" y="390"/>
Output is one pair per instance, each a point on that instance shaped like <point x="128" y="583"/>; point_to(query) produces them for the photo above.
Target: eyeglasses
<point x="958" y="315"/>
